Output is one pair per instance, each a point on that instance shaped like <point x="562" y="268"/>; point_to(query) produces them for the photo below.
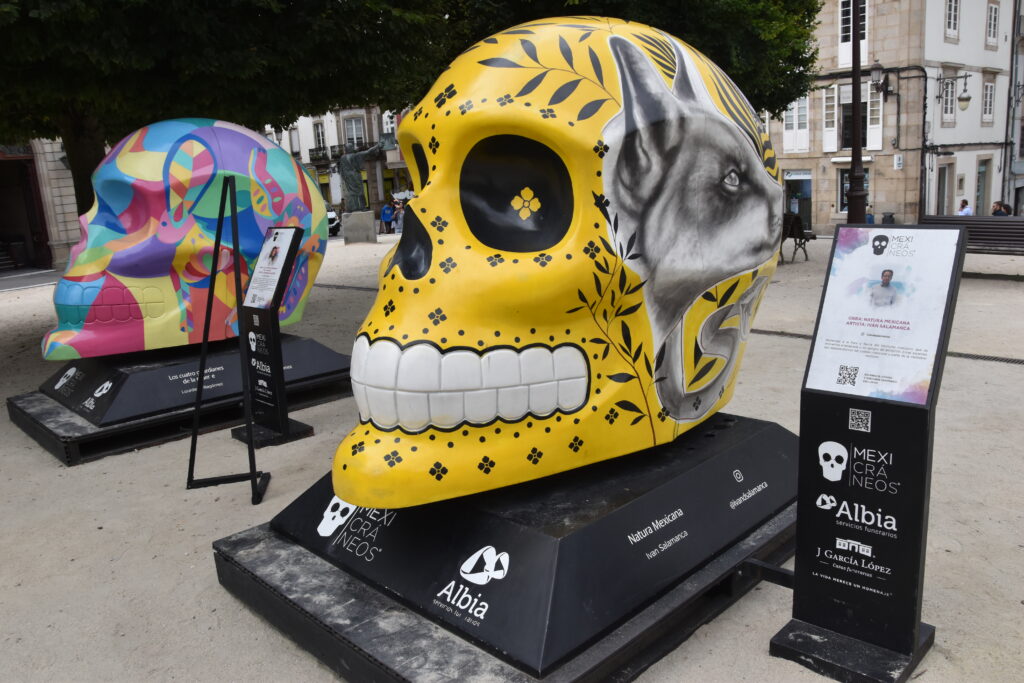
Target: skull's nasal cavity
<point x="414" y="249"/>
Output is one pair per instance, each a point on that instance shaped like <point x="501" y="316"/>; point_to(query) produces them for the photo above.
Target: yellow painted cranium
<point x="596" y="219"/>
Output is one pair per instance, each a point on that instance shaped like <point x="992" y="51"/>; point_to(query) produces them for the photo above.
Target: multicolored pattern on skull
<point x="139" y="277"/>
<point x="597" y="217"/>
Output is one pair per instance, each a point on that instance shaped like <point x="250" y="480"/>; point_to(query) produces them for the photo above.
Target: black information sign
<point x="260" y="328"/>
<point x="866" y="425"/>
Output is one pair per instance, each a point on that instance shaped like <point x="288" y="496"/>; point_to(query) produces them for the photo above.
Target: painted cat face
<point x="595" y="222"/>
<point x="138" y="279"/>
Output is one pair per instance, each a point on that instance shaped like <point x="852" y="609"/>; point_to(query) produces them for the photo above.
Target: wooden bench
<point x="987" y="234"/>
<point x="793" y="228"/>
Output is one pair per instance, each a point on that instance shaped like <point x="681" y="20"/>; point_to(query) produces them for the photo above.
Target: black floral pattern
<point x="542" y="259"/>
<point x="505" y="99"/>
<point x="534" y="455"/>
<point x="437" y="316"/>
<point x="439" y="224"/>
<point x="448" y="265"/>
<point x="465" y="106"/>
<point x="612" y="415"/>
<point x="358" y="447"/>
<point x="548" y="113"/>
<point x="576" y="444"/>
<point x="493" y="261"/>
<point x="592" y="249"/>
<point x="392" y="458"/>
<point x="486" y="465"/>
<point x="389" y="307"/>
<point x="433" y="144"/>
<point x="600" y="149"/>
<point x="438" y="471"/>
<point x="448" y="93"/>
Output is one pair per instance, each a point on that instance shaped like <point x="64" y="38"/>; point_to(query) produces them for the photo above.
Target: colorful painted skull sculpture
<point x="139" y="277"/>
<point x="597" y="216"/>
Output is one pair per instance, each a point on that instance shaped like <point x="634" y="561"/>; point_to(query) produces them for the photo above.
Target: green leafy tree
<point x="91" y="72"/>
<point x="766" y="46"/>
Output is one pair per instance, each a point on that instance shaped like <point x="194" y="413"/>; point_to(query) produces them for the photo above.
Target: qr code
<point x="848" y="375"/>
<point x="860" y="420"/>
<point x="255" y="320"/>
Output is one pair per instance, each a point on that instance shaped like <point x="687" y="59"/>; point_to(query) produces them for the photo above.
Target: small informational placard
<point x="881" y="317"/>
<point x="866" y="423"/>
<point x="270" y="273"/>
<point x="260" y="328"/>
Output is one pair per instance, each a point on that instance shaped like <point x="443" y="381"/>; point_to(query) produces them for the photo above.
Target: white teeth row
<point x="421" y="386"/>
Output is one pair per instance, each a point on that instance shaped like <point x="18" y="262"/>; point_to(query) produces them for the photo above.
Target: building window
<point x="844" y="187"/>
<point x="354" y="134"/>
<point x="795" y="133"/>
<point x="846" y="125"/>
<point x="318" y="135"/>
<point x="387" y="122"/>
<point x="992" y="25"/>
<point x="837" y="130"/>
<point x="988" y="96"/>
<point x="949" y="101"/>
<point x="952" y="18"/>
<point x="845" y="55"/>
<point x="293" y="140"/>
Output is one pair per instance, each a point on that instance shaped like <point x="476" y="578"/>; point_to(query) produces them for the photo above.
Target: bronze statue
<point x="350" y="166"/>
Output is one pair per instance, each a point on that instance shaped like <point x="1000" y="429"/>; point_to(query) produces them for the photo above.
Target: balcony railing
<point x="318" y="154"/>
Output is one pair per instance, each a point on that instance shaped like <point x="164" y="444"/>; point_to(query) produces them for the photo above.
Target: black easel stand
<point x="258" y="480"/>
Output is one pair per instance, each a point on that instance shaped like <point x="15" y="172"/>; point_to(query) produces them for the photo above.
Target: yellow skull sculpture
<point x="597" y="216"/>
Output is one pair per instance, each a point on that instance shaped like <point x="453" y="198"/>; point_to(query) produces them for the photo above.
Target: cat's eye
<point x="731" y="180"/>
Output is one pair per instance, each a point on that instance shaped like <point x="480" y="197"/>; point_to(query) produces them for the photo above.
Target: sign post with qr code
<point x="260" y="328"/>
<point x="866" y="426"/>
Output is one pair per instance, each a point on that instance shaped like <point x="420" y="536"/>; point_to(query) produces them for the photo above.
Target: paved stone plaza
<point x="107" y="570"/>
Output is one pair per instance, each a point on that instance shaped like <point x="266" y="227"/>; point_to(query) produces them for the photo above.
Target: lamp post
<point x="856" y="196"/>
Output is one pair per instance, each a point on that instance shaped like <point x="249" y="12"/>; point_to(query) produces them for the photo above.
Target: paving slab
<point x="107" y="570"/>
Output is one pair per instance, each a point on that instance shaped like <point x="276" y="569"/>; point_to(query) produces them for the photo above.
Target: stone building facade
<point x="922" y="152"/>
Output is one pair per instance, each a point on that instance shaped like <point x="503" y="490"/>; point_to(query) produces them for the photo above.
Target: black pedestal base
<point x="144" y="401"/>
<point x="362" y="634"/>
<point x="843" y="658"/>
<point x="263" y="436"/>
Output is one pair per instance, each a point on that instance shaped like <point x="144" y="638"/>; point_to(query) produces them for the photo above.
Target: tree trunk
<point x="85" y="147"/>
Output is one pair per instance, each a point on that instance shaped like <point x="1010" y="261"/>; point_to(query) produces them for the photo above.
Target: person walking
<point x="998" y="210"/>
<point x="399" y="218"/>
<point x="965" y="209"/>
<point x="387" y="214"/>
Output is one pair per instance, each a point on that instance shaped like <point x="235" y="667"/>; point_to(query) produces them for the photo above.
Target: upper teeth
<point x="420" y="386"/>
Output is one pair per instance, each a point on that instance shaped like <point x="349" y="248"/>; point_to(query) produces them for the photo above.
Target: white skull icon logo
<point x="483" y="565"/>
<point x="335" y="515"/>
<point x="832" y="457"/>
<point x="252" y="342"/>
<point x="64" y="378"/>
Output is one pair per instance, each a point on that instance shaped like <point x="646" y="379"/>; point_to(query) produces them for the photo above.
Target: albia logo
<point x="826" y="502"/>
<point x="102" y="389"/>
<point x="485" y="565"/>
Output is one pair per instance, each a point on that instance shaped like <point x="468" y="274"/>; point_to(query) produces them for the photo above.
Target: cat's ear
<point x="646" y="101"/>
<point x="682" y="86"/>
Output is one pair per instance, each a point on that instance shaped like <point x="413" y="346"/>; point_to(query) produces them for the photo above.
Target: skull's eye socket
<point x="516" y="194"/>
<point x="334" y="507"/>
<point x="839" y="460"/>
<point x="826" y="457"/>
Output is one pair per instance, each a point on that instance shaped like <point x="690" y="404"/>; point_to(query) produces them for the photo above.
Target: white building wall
<point x="970" y="138"/>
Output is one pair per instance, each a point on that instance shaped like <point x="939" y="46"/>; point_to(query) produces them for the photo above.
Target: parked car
<point x="333" y="222"/>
